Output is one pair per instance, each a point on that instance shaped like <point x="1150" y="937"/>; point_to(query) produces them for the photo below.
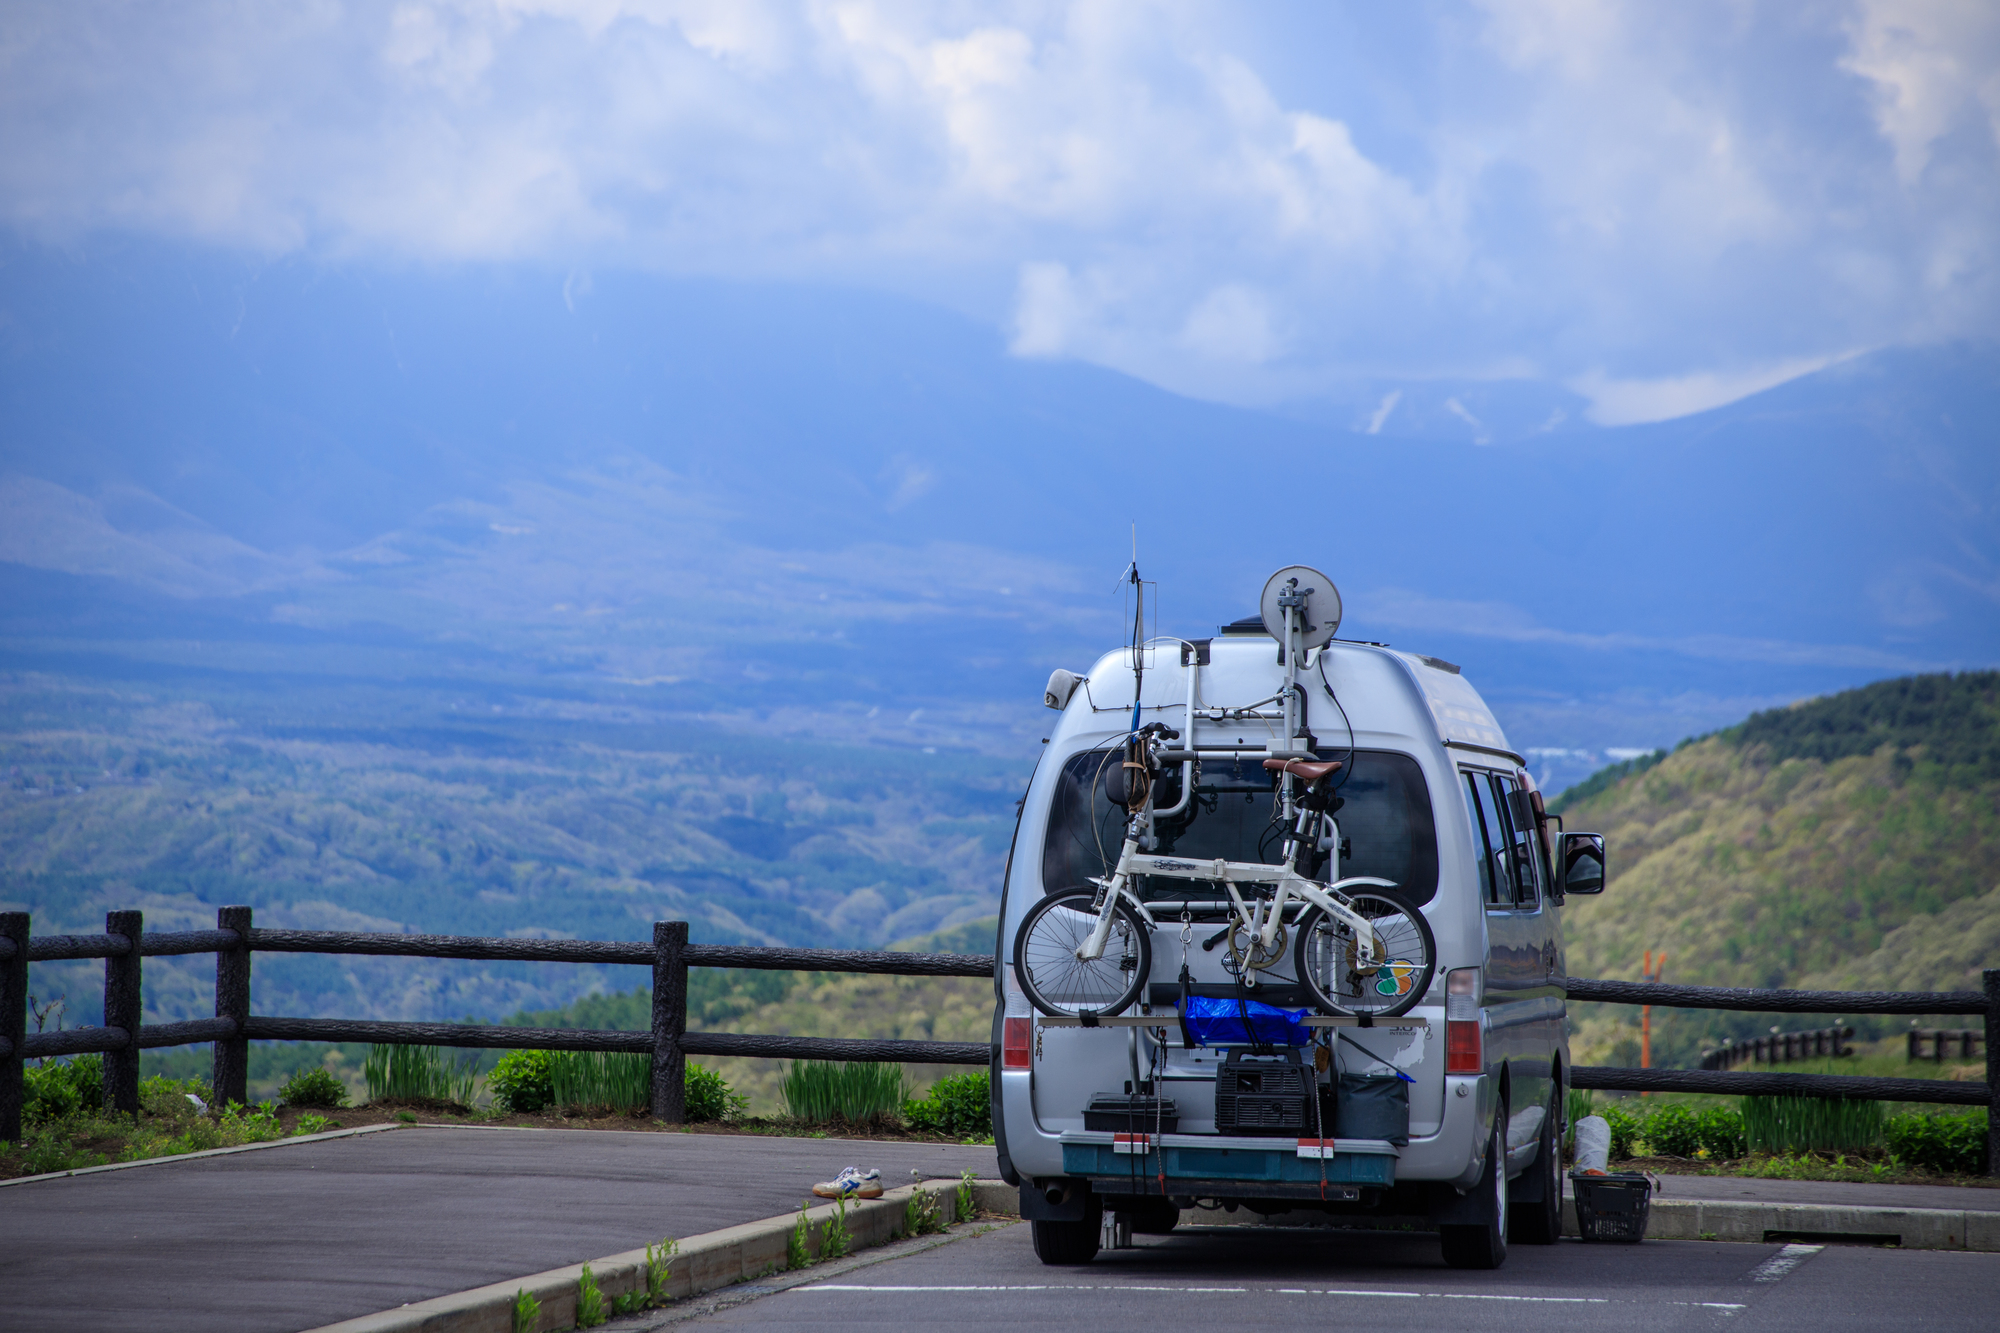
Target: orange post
<point x="1650" y="974"/>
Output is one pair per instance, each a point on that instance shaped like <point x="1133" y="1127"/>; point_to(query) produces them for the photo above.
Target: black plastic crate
<point x="1273" y="1094"/>
<point x="1131" y="1115"/>
<point x="1613" y="1207"/>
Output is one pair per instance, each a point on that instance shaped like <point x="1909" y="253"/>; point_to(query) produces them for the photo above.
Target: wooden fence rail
<point x="124" y="945"/>
<point x="234" y="1026"/>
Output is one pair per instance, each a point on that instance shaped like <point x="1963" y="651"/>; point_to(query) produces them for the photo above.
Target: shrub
<point x="50" y="1149"/>
<point x="1953" y="1144"/>
<point x="314" y="1086"/>
<point x="1811" y="1124"/>
<point x="166" y="1101"/>
<point x="708" y="1097"/>
<point x="1626" y="1130"/>
<point x="1670" y="1132"/>
<point x="1677" y="1130"/>
<point x="961" y="1106"/>
<point x="524" y="1081"/>
<point x="58" y="1089"/>
<point x="819" y="1091"/>
<point x="1720" y="1131"/>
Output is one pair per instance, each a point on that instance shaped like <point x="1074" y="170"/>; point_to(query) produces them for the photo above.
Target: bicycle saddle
<point x="1300" y="768"/>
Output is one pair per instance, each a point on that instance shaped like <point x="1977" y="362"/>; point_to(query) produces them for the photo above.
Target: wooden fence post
<point x="670" y="982"/>
<point x="1992" y="977"/>
<point x="232" y="1001"/>
<point x="13" y="1022"/>
<point x="123" y="1005"/>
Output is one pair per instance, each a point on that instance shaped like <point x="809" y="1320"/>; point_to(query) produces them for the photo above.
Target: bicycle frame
<point x="1262" y="925"/>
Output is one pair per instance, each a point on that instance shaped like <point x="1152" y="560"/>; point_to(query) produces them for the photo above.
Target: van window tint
<point x="1385" y="818"/>
<point x="1522" y="856"/>
<point x="1489" y="842"/>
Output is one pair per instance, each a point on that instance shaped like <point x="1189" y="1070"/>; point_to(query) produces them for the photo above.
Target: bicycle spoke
<point x="1047" y="957"/>
<point x="1333" y="960"/>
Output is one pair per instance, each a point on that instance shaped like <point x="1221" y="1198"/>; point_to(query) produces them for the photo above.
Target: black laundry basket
<point x="1613" y="1207"/>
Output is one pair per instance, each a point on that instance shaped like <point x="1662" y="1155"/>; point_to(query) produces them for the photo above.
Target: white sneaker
<point x="851" y="1183"/>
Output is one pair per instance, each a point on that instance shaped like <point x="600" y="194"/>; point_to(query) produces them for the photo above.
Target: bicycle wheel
<point x="1328" y="957"/>
<point x="1057" y="981"/>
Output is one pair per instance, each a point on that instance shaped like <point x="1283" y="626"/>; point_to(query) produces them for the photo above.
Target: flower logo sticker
<point x="1395" y="977"/>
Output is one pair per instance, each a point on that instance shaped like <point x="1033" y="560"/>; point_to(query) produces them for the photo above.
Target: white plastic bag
<point x="1593" y="1145"/>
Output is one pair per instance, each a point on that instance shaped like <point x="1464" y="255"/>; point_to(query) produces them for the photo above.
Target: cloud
<point x="1615" y="402"/>
<point x="1247" y="203"/>
<point x="1935" y="67"/>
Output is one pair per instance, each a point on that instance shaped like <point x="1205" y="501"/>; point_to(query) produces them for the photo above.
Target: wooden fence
<point x="125" y="943"/>
<point x="1782" y="1048"/>
<point x="1944" y="1042"/>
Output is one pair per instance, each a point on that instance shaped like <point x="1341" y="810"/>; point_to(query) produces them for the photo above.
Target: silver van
<point x="1180" y="1027"/>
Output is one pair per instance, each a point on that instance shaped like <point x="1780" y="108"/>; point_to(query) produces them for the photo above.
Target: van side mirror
<point x="1583" y="863"/>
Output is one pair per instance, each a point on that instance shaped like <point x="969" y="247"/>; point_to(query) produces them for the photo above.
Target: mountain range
<point x="788" y="506"/>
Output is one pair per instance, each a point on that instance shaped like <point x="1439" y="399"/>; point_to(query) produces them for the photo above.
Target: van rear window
<point x="1385" y="818"/>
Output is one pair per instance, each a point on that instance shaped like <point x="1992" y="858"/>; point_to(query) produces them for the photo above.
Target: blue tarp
<point x="1211" y="1021"/>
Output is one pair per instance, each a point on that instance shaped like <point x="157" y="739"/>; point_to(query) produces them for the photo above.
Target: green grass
<point x="419" y="1074"/>
<point x="604" y="1082"/>
<point x="1811" y="1124"/>
<point x="591" y="1307"/>
<point x="819" y="1092"/>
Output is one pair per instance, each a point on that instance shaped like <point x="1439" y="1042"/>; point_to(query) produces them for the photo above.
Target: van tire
<point x="1061" y="1243"/>
<point x="1539" y="1221"/>
<point x="1484" y="1245"/>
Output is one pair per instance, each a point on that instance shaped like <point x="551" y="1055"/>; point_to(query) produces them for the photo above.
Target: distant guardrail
<point x="1782" y="1048"/>
<point x="125" y="943"/>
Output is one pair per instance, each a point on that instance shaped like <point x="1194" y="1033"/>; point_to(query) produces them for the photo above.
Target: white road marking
<point x="1230" y="1291"/>
<point x="1779" y="1265"/>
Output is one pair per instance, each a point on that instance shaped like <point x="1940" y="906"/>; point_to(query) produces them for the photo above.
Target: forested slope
<point x="1845" y="841"/>
<point x="465" y="811"/>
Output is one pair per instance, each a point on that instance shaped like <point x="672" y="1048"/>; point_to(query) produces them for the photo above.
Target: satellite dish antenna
<point x="1319" y="609"/>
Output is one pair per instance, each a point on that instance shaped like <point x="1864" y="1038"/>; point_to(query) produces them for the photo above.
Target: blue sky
<point x="1659" y="207"/>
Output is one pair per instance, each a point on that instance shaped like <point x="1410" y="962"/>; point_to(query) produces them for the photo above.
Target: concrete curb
<point x="703" y="1263"/>
<point x="1913" y="1228"/>
<point x="208" y="1152"/>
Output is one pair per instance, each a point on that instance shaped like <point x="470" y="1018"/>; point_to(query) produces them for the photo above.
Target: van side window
<point x="1489" y="841"/>
<point x="1523" y="855"/>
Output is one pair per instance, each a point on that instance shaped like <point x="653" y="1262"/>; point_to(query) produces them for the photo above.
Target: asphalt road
<point x="301" y="1235"/>
<point x="1252" y="1278"/>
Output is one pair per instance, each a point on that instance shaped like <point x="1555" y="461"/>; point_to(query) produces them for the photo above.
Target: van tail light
<point x="1462" y="1053"/>
<point x="1014" y="1042"/>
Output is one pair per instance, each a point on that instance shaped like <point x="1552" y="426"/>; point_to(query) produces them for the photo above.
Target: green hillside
<point x="462" y="811"/>
<point x="1844" y="842"/>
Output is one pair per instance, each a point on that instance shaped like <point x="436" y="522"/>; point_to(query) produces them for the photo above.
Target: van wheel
<point x="1539" y="1221"/>
<point x="1484" y="1245"/>
<point x="1066" y="1242"/>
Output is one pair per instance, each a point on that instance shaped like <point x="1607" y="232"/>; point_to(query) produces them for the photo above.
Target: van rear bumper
<point x="1208" y="1163"/>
